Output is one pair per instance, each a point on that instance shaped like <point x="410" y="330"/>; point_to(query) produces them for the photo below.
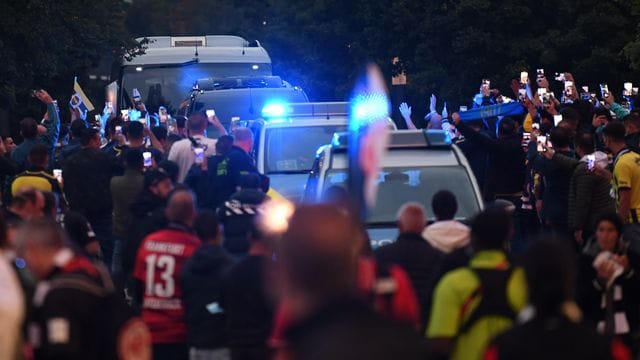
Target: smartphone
<point x="57" y="173"/>
<point x="535" y="126"/>
<point x="526" y="138"/>
<point x="591" y="161"/>
<point x="522" y="94"/>
<point x="524" y="77"/>
<point x="542" y="143"/>
<point x="137" y="98"/>
<point x="627" y="89"/>
<point x="211" y="113"/>
<point x="556" y="120"/>
<point x="97" y="117"/>
<point x="109" y="104"/>
<point x="124" y="114"/>
<point x="542" y="92"/>
<point x="199" y="155"/>
<point x="604" y="90"/>
<point x="559" y="77"/>
<point x="148" y="159"/>
<point x="463" y="108"/>
<point x="118" y="130"/>
<point x="540" y="73"/>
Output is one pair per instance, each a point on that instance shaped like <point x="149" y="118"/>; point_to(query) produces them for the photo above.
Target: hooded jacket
<point x="447" y="236"/>
<point x="202" y="280"/>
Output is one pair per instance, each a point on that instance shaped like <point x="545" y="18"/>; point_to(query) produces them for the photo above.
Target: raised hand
<point x="405" y="111"/>
<point x="43" y="96"/>
<point x="432" y="103"/>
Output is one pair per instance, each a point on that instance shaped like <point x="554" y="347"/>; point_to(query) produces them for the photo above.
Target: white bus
<point x="171" y="65"/>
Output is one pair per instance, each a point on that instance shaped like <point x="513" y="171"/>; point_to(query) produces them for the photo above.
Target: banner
<point x="507" y="109"/>
<point x="84" y="103"/>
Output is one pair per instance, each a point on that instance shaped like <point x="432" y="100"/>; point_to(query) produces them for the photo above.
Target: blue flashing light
<point x="367" y="109"/>
<point x="275" y="110"/>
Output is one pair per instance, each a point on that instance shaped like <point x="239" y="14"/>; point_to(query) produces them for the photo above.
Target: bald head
<point x="411" y="218"/>
<point x="320" y="251"/>
<point x="181" y="208"/>
<point x="243" y="138"/>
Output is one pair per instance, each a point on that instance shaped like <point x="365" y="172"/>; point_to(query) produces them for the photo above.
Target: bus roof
<point x="211" y="49"/>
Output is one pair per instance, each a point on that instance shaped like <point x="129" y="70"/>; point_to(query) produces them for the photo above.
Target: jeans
<point x="631" y="234"/>
<point x="102" y="227"/>
<point x="209" y="354"/>
<point x="117" y="273"/>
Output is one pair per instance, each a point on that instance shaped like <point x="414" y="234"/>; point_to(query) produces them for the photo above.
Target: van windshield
<point x="293" y="149"/>
<point x="170" y="86"/>
<point x="399" y="185"/>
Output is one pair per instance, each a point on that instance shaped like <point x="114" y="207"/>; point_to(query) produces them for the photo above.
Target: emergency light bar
<point x="403" y="139"/>
<point x="306" y="110"/>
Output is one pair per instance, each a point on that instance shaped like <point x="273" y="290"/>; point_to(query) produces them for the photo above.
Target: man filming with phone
<point x="197" y="147"/>
<point x="29" y="130"/>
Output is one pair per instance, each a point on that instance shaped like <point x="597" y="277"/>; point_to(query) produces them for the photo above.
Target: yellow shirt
<point x="626" y="175"/>
<point x="455" y="289"/>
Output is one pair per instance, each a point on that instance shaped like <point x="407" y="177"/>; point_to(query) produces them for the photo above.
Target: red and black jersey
<point x="159" y="263"/>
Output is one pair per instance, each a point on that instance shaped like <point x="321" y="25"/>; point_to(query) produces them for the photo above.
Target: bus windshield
<point x="169" y="86"/>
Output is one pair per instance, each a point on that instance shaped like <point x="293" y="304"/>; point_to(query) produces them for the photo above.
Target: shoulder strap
<point x="493" y="296"/>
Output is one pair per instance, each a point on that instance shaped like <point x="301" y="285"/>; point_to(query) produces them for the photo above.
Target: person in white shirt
<point x="446" y="234"/>
<point x="183" y="152"/>
<point x="12" y="302"/>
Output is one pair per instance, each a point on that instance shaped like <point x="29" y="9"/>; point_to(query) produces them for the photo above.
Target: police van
<point x="287" y="137"/>
<point x="416" y="166"/>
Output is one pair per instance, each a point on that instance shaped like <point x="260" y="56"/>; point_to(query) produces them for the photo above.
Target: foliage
<point x="45" y="43"/>
<point x="447" y="46"/>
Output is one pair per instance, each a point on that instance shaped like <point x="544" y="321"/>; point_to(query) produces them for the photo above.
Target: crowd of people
<point x="147" y="239"/>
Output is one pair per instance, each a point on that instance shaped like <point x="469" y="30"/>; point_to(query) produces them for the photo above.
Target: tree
<point x="45" y="43"/>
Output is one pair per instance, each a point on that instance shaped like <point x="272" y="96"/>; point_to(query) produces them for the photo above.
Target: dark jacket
<point x="237" y="216"/>
<point x="591" y="290"/>
<point x="247" y="304"/>
<point x="506" y="167"/>
<point x="633" y="142"/>
<point x="351" y="330"/>
<point x="222" y="178"/>
<point x="202" y="280"/>
<point x="552" y="338"/>
<point x="124" y="190"/>
<point x="589" y="195"/>
<point x="87" y="177"/>
<point x="147" y="213"/>
<point x="556" y="194"/>
<point x="419" y="259"/>
<point x="476" y="155"/>
<point x="80" y="309"/>
<point x="72" y="147"/>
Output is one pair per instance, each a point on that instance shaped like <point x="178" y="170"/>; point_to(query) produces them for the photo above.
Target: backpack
<point x="493" y="297"/>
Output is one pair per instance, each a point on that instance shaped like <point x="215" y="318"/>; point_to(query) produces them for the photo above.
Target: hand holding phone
<point x="211" y="113"/>
<point x="542" y="143"/>
<point x="148" y="159"/>
<point x="591" y="161"/>
<point x="199" y="152"/>
<point x="556" y="120"/>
